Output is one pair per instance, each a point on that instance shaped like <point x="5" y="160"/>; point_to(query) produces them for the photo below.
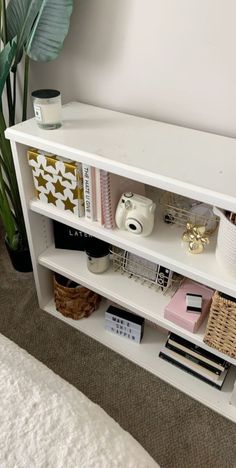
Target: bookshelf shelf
<point x="163" y="246"/>
<point x="146" y="356"/>
<point x="159" y="155"/>
<point x="116" y="287"/>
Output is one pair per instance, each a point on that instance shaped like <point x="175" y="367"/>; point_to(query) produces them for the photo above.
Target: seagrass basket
<point x="73" y="300"/>
<point x="221" y="327"/>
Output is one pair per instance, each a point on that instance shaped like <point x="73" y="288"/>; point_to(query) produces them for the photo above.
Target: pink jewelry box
<point x="176" y="310"/>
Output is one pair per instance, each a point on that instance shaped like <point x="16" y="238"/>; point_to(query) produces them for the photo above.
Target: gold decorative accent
<point x="75" y="193"/>
<point x="59" y="174"/>
<point x="41" y="181"/>
<point x="59" y="187"/>
<point x="70" y="168"/>
<point x="69" y="205"/>
<point x="32" y="156"/>
<point x="51" y="161"/>
<point x="51" y="198"/>
<point x="194" y="235"/>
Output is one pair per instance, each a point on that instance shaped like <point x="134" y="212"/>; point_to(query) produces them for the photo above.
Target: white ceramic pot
<point x="226" y="242"/>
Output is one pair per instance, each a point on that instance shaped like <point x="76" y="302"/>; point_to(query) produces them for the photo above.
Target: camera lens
<point x="133" y="225"/>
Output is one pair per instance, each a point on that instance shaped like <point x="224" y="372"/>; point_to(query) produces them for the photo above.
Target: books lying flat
<point x="206" y="358"/>
<point x="193" y="368"/>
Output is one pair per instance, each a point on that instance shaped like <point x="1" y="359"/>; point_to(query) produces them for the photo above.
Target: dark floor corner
<point x="177" y="431"/>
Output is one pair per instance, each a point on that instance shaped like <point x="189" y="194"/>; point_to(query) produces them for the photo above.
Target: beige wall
<point x="171" y="60"/>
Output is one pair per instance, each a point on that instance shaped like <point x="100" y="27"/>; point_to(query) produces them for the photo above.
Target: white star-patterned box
<point x="58" y="182"/>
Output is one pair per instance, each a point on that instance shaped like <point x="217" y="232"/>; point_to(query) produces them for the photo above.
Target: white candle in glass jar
<point x="47" y="108"/>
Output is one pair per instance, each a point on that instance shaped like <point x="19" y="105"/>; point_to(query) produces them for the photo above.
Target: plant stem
<point x="14" y="96"/>
<point x="26" y="82"/>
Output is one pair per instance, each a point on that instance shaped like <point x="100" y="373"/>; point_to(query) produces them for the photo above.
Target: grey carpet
<point x="177" y="431"/>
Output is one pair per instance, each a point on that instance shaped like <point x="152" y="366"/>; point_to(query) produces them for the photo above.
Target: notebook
<point x="112" y="187"/>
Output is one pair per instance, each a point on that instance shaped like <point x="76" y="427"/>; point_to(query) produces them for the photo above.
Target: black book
<point x="169" y="359"/>
<point x="200" y="353"/>
<point x="193" y="358"/>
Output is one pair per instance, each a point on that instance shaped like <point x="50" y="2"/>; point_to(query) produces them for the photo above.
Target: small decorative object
<point x="221" y="327"/>
<point x="194" y="303"/>
<point x="125" y="324"/>
<point x="226" y="241"/>
<point x="73" y="300"/>
<point x="58" y="181"/>
<point x="194" y="235"/>
<point x="141" y="267"/>
<point x="47" y="108"/>
<point x="135" y="214"/>
<point x="180" y="210"/>
<point x="203" y="215"/>
<point x="65" y="237"/>
<point x="98" y="253"/>
<point x="176" y="310"/>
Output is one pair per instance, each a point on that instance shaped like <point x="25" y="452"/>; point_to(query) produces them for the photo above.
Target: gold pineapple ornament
<point x="195" y="236"/>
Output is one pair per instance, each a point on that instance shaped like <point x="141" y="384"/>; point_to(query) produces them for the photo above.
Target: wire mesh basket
<point x="180" y="210"/>
<point x="145" y="272"/>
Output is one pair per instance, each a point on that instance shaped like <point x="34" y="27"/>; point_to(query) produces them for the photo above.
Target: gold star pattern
<point x="75" y="194"/>
<point x="69" y="205"/>
<point x="60" y="175"/>
<point x="41" y="181"/>
<point x="32" y="156"/>
<point x="59" y="187"/>
<point x="51" y="198"/>
<point x="70" y="168"/>
<point x="51" y="161"/>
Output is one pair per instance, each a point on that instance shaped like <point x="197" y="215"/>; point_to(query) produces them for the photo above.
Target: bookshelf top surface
<point x="194" y="163"/>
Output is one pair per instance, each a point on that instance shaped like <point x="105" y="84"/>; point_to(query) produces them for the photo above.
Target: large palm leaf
<point x="40" y="25"/>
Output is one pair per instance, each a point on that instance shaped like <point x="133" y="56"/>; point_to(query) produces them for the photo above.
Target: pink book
<point x="112" y="187"/>
<point x="176" y="310"/>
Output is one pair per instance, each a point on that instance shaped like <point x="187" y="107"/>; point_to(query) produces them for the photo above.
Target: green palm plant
<point x="31" y="29"/>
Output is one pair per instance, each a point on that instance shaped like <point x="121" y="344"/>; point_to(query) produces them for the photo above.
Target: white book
<point x="196" y="355"/>
<point x="217" y="379"/>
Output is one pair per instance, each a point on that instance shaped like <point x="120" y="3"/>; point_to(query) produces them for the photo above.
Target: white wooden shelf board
<point x="164" y="246"/>
<point x="116" y="287"/>
<point x="146" y="355"/>
<point x="193" y="163"/>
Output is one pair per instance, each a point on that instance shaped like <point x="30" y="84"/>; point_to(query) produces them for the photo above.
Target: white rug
<point x="47" y="423"/>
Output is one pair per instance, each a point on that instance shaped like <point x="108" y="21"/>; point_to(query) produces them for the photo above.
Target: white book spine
<point x="88" y="189"/>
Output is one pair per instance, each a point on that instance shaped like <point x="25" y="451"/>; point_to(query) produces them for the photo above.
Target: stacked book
<point x="195" y="360"/>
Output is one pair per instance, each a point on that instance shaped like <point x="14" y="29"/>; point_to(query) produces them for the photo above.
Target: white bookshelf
<point x="158" y="154"/>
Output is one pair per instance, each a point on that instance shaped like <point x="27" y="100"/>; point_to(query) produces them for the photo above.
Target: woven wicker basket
<point x="74" y="302"/>
<point x="221" y="326"/>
